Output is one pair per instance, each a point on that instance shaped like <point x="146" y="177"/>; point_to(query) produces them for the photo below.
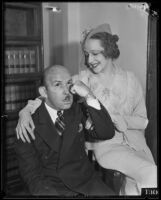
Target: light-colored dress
<point x="127" y="151"/>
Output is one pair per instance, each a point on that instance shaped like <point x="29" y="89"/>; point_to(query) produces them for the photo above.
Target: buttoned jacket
<point x="49" y="157"/>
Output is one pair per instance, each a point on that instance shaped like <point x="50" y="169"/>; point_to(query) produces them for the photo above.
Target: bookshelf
<point x="23" y="53"/>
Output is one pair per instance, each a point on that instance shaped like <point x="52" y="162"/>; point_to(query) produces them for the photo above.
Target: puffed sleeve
<point x="31" y="106"/>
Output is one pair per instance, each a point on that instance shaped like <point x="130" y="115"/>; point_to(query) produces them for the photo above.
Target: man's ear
<point x="42" y="91"/>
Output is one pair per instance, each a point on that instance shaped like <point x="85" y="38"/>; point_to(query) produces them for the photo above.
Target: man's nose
<point x="66" y="89"/>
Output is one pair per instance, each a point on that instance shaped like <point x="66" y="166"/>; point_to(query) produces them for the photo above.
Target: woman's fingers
<point x="24" y="134"/>
<point x="32" y="129"/>
<point x="21" y="136"/>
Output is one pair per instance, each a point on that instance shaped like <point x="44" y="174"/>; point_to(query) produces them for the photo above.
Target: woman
<point x="121" y="94"/>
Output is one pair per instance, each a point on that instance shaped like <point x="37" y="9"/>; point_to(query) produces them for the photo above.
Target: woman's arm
<point x="25" y="122"/>
<point x="124" y="122"/>
<point x="137" y="118"/>
<point x="103" y="125"/>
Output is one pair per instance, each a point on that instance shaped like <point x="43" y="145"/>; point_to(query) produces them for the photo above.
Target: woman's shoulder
<point x="134" y="85"/>
<point x="120" y="75"/>
<point x="132" y="78"/>
<point x="129" y="78"/>
<point x="126" y="74"/>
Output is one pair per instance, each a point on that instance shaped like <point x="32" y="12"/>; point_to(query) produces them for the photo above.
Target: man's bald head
<point x="55" y="90"/>
<point x="51" y="71"/>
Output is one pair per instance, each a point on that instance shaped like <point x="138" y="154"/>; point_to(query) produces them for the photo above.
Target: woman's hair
<point x="108" y="42"/>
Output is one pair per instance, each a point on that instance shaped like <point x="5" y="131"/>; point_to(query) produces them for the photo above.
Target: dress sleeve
<point x="138" y="118"/>
<point x="31" y="106"/>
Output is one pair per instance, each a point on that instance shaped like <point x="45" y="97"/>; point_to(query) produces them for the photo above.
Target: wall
<point x="62" y="42"/>
<point x="55" y="33"/>
<point x="61" y="35"/>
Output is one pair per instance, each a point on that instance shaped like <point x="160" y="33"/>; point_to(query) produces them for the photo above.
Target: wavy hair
<point x="108" y="42"/>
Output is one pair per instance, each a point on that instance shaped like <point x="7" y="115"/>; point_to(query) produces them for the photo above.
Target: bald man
<point x="56" y="163"/>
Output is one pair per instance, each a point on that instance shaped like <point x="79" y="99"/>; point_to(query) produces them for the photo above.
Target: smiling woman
<point x="116" y="89"/>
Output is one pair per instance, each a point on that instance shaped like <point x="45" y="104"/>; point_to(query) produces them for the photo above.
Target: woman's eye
<point x="57" y="84"/>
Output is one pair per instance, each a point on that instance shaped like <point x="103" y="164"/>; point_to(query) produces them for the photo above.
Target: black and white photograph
<point x="79" y="100"/>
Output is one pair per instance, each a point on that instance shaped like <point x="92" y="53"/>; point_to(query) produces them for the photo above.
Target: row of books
<point x="10" y="141"/>
<point x="16" y="96"/>
<point x="13" y="172"/>
<point x="20" y="61"/>
<point x="11" y="130"/>
<point x="11" y="124"/>
<point x="12" y="164"/>
<point x="14" y="106"/>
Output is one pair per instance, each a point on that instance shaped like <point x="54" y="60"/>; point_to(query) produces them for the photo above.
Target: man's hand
<point x="25" y="125"/>
<point x="82" y="90"/>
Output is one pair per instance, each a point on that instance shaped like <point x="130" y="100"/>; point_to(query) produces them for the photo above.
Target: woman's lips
<point x="93" y="66"/>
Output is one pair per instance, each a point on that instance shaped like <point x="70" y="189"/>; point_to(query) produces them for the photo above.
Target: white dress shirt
<point x="52" y="112"/>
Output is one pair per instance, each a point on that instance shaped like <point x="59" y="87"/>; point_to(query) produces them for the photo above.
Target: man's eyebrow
<point x="56" y="81"/>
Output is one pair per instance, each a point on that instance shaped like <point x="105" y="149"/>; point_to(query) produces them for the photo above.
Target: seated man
<point x="55" y="163"/>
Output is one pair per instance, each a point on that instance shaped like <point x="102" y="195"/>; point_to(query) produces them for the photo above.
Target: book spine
<point x="8" y="62"/>
<point x="29" y="92"/>
<point x="18" y="96"/>
<point x="27" y="61"/>
<point x="7" y="98"/>
<point x="13" y="97"/>
<point x="32" y="61"/>
<point x="21" y="62"/>
<point x="33" y="91"/>
<point x="7" y="58"/>
<point x="16" y="62"/>
<point x="11" y="68"/>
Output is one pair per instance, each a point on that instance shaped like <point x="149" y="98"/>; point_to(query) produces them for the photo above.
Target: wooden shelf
<point x="22" y="77"/>
<point x="23" y="53"/>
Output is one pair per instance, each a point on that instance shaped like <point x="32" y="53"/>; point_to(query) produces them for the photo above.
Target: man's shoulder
<point x="40" y="112"/>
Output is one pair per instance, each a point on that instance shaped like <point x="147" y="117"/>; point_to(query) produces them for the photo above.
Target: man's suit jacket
<point x="50" y="159"/>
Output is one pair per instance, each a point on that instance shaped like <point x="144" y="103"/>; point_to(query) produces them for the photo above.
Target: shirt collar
<point x="52" y="112"/>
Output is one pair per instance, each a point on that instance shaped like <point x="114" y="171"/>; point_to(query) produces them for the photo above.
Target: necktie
<point x="59" y="124"/>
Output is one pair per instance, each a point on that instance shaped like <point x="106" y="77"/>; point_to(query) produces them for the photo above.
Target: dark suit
<point x="54" y="165"/>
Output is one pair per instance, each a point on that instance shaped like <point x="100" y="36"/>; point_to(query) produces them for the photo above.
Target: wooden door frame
<point x="152" y="86"/>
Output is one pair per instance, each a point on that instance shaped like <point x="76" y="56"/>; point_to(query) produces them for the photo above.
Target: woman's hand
<point x="25" y="126"/>
<point x="82" y="90"/>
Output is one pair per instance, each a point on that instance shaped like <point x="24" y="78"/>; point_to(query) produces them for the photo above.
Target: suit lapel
<point x="46" y="128"/>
